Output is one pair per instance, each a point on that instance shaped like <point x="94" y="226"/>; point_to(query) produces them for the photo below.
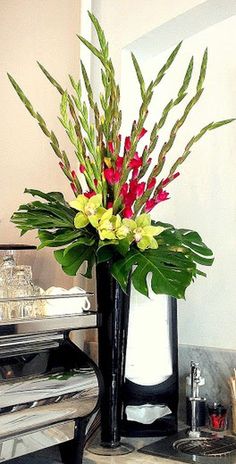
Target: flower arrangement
<point x="117" y="186"/>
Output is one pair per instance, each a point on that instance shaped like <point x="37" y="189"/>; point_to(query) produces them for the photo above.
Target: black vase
<point x="113" y="305"/>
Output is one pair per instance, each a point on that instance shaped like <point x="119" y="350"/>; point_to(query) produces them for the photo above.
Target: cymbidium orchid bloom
<point x="90" y="210"/>
<point x="143" y="232"/>
<point x="108" y="224"/>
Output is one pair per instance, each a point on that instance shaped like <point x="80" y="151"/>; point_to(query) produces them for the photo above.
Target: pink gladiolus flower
<point x="140" y="189"/>
<point x="73" y="187"/>
<point x="127" y="212"/>
<point x="110" y="147"/>
<point x="142" y="133"/>
<point x="82" y="168"/>
<point x="149" y="205"/>
<point x="119" y="162"/>
<point x="124" y="190"/>
<point x="127" y="143"/>
<point x="151" y="184"/>
<point x="111" y="176"/>
<point x="167" y="180"/>
<point x="135" y="173"/>
<point x="133" y="185"/>
<point x="130" y="198"/>
<point x="89" y="194"/>
<point x="73" y="173"/>
<point x="162" y="196"/>
<point x="136" y="162"/>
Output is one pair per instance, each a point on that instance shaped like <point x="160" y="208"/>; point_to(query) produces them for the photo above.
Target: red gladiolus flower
<point x="167" y="180"/>
<point x="95" y="182"/>
<point x="110" y="147"/>
<point x="61" y="165"/>
<point x="151" y="184"/>
<point x="73" y="173"/>
<point x="133" y="185"/>
<point x="162" y="196"/>
<point x="82" y="168"/>
<point x="111" y="176"/>
<point x="135" y="173"/>
<point x="136" y="162"/>
<point x="149" y="205"/>
<point x="127" y="143"/>
<point x="142" y="133"/>
<point x="140" y="189"/>
<point x="124" y="190"/>
<point x="119" y="162"/>
<point x="130" y="198"/>
<point x="127" y="212"/>
<point x="73" y="187"/>
<point x="109" y="204"/>
<point x="89" y="194"/>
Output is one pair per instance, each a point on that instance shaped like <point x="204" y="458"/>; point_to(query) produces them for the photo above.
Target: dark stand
<point x="72" y="451"/>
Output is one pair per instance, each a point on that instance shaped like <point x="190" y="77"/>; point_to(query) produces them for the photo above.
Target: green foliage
<point x="80" y="252"/>
<point x="173" y="265"/>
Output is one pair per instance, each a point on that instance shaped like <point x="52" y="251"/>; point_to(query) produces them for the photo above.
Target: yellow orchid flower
<point x="125" y="229"/>
<point x="90" y="210"/>
<point x="144" y="232"/>
<point x="108" y="225"/>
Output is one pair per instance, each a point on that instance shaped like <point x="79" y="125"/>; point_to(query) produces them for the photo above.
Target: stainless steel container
<point x="49" y="388"/>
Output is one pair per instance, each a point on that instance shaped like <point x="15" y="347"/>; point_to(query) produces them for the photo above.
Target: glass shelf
<point x="45" y="324"/>
<point x="46" y="297"/>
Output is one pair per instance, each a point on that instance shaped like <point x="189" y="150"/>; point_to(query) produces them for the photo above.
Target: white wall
<point x="203" y="197"/>
<point x="30" y="30"/>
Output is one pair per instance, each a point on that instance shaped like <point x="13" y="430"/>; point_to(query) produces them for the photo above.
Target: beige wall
<point x="30" y="30"/>
<point x="124" y="21"/>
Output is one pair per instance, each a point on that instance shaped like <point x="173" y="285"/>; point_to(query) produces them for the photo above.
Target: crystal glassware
<point x="21" y="285"/>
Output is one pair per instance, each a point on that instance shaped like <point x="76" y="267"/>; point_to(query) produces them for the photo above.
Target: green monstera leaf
<point x="171" y="273"/>
<point x="173" y="265"/>
<point x="73" y="256"/>
<point x="58" y="238"/>
<point x="54" y="213"/>
<point x="189" y="240"/>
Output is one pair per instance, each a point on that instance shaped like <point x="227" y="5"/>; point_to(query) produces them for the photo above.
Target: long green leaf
<point x="171" y="273"/>
<point x="72" y="257"/>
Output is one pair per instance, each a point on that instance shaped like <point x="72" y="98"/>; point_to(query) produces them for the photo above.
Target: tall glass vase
<point x="113" y="305"/>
